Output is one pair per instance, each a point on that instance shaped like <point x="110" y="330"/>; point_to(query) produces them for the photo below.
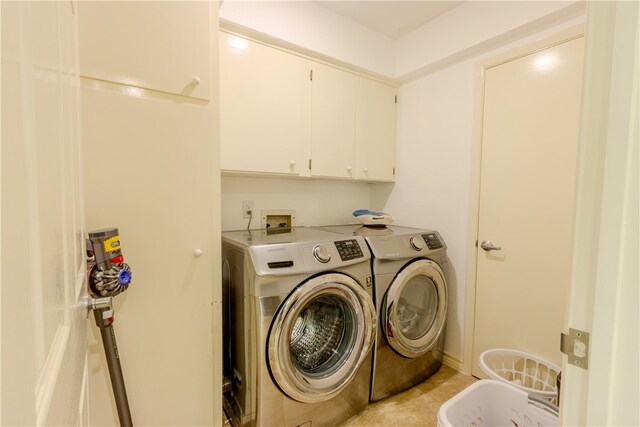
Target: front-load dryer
<point x="410" y="291"/>
<point x="302" y="325"/>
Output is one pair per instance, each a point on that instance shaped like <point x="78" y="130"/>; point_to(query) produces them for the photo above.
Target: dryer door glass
<point x="417" y="307"/>
<point x="414" y="309"/>
<point x="320" y="337"/>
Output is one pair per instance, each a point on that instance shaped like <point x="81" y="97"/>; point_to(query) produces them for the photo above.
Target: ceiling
<point x="392" y="18"/>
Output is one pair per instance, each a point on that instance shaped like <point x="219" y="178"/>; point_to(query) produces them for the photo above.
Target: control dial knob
<point x="321" y="254"/>
<point x="417" y="243"/>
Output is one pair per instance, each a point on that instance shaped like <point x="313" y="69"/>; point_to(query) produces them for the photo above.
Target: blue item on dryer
<point x="375" y="219"/>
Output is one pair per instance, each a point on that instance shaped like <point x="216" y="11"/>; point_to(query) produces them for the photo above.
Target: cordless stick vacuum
<point x="109" y="275"/>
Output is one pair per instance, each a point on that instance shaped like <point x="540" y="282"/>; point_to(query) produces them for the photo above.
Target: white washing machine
<point x="301" y="324"/>
<point x="410" y="291"/>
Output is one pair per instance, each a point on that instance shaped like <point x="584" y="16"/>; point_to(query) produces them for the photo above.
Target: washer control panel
<point x="349" y="249"/>
<point x="288" y="258"/>
<point x="432" y="241"/>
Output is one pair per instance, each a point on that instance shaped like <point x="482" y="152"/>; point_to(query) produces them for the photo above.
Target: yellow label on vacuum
<point x="112" y="244"/>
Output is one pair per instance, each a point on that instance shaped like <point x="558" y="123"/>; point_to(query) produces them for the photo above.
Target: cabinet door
<point x="333" y="123"/>
<point x="117" y="36"/>
<point x="376" y="131"/>
<point x="264" y="108"/>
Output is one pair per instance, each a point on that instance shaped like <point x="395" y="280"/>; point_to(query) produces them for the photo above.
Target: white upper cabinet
<point x="376" y="131"/>
<point x="117" y="34"/>
<point x="264" y="108"/>
<point x="285" y="113"/>
<point x="333" y="122"/>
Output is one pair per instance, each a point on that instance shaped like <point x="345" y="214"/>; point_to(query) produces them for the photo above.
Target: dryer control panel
<point x="349" y="249"/>
<point x="432" y="241"/>
<point x="413" y="243"/>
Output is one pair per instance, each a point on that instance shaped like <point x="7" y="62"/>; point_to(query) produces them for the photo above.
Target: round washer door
<point x="320" y="336"/>
<point x="414" y="309"/>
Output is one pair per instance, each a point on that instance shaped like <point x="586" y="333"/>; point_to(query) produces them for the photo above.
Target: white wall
<point x="432" y="179"/>
<point x="317" y="202"/>
<point x="435" y="141"/>
<point x="435" y="119"/>
<point x="313" y="27"/>
<point x="475" y="26"/>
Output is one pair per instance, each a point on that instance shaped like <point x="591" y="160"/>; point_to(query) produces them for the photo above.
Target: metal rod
<point x="544" y="404"/>
<point x="115" y="370"/>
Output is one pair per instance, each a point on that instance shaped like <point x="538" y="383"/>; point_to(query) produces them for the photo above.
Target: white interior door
<point x="43" y="261"/>
<point x="529" y="155"/>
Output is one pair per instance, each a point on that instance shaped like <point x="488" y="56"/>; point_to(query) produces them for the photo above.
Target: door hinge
<point x="311" y="75"/>
<point x="576" y="347"/>
<point x="309" y="164"/>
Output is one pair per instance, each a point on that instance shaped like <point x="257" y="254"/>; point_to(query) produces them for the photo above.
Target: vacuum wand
<point x="103" y="313"/>
<point x="109" y="275"/>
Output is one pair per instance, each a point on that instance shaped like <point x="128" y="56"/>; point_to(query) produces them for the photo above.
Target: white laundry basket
<point x="494" y="403"/>
<point x="530" y="373"/>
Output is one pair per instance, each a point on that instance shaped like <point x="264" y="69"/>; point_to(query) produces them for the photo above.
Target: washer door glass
<point x="320" y="336"/>
<point x="415" y="308"/>
<point x="323" y="335"/>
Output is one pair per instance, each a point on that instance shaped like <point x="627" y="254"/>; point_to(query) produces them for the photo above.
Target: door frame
<point x="560" y="37"/>
<point x="604" y="288"/>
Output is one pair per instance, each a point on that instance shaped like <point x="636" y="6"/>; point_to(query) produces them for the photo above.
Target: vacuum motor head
<point x="109" y="275"/>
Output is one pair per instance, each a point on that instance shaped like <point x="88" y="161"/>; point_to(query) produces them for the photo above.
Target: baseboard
<point x="452" y="362"/>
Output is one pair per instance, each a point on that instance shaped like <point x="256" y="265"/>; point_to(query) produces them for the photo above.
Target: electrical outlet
<point x="247" y="208"/>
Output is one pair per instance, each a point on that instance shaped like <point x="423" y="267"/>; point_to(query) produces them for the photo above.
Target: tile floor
<point x="417" y="406"/>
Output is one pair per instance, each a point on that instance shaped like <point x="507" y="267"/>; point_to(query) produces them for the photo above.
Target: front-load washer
<point x="410" y="291"/>
<point x="302" y="324"/>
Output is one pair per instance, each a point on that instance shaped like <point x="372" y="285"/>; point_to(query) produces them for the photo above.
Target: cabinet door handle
<point x="365" y="170"/>
<point x="349" y="168"/>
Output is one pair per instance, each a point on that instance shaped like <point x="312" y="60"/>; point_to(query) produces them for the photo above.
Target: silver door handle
<point x="487" y="245"/>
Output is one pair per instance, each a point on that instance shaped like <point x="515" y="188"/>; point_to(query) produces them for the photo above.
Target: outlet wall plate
<point x="247" y="205"/>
